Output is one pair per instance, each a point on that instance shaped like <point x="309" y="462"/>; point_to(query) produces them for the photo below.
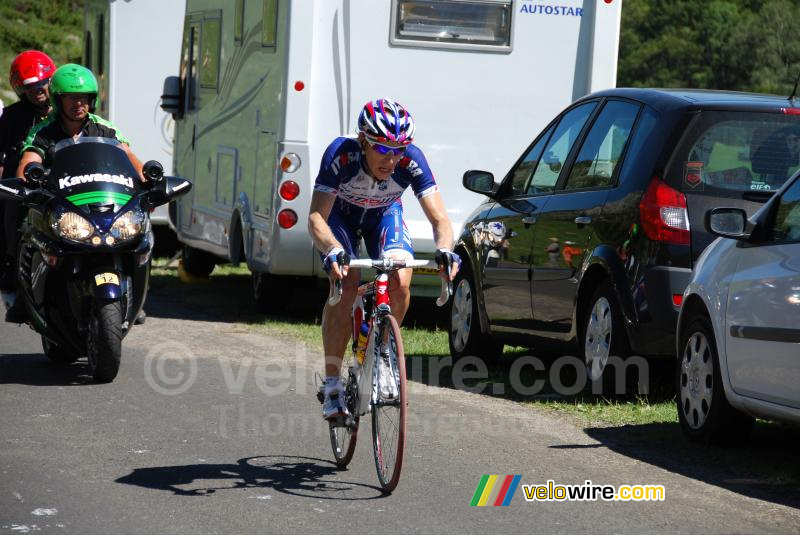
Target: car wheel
<point x="603" y="336"/>
<point x="703" y="410"/>
<point x="464" y="333"/>
<point x="198" y="263"/>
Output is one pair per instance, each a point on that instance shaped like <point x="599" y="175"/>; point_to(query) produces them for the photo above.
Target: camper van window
<point x="87" y="52"/>
<point x="453" y="24"/>
<point x="269" y="22"/>
<point x="101" y="45"/>
<point x="189" y="64"/>
<point x="238" y="22"/>
<point x="209" y="55"/>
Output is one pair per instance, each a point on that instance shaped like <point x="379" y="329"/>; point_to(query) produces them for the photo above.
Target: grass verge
<point x="226" y="297"/>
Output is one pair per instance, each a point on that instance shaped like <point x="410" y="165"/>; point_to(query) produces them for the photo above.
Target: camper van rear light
<point x="289" y="190"/>
<point x="290" y="163"/>
<point x="299" y="86"/>
<point x="287" y="218"/>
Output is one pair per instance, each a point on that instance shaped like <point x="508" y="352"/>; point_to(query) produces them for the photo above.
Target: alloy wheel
<point x="598" y="338"/>
<point x="461" y="315"/>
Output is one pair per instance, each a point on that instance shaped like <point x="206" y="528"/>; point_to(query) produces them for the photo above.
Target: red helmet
<point x="30" y="68"/>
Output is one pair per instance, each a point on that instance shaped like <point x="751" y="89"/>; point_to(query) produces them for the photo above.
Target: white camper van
<point x="266" y="85"/>
<point x="131" y="46"/>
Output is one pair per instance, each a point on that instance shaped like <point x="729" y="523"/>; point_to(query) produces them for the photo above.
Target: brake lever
<point x="445" y="294"/>
<point x="335" y="294"/>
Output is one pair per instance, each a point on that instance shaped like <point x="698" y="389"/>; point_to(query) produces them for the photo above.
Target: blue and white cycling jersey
<point x="341" y="174"/>
<point x="368" y="207"/>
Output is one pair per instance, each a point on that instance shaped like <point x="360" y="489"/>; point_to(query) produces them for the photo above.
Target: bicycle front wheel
<point x="389" y="412"/>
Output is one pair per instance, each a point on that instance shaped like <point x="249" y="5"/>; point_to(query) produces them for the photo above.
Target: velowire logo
<point x="495" y="490"/>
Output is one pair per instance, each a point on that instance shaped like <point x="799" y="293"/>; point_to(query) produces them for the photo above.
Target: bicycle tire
<point x="343" y="439"/>
<point x="389" y="421"/>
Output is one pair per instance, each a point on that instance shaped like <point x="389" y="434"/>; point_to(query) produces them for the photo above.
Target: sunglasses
<point x="385" y="149"/>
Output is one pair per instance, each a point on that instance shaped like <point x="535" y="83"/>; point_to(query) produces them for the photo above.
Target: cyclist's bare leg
<point x="400" y="293"/>
<point x="337" y="324"/>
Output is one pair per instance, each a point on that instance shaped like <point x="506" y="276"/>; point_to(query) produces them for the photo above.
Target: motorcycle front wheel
<point x="104" y="344"/>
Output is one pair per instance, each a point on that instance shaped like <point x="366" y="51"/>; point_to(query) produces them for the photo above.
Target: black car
<point x="591" y="237"/>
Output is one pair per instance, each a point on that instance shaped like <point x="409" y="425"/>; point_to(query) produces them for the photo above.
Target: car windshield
<point x="729" y="152"/>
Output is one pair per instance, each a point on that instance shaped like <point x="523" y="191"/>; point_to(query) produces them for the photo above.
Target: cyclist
<point x="357" y="194"/>
<point x="73" y="93"/>
<point x="30" y="78"/>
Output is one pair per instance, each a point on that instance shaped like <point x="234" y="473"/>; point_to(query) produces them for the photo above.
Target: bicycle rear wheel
<point x="345" y="434"/>
<point x="389" y="416"/>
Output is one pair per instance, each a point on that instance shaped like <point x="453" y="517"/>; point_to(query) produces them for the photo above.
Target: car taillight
<point x="287" y="218"/>
<point x="289" y="190"/>
<point x="791" y="111"/>
<point x="663" y="214"/>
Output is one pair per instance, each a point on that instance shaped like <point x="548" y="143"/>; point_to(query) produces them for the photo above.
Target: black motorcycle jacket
<point x="15" y="123"/>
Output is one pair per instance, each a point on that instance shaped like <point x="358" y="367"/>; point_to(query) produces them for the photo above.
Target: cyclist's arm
<point x="433" y="207"/>
<point x="321" y="234"/>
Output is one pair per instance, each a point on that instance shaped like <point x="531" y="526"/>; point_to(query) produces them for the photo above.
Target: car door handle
<point x="529" y="220"/>
<point x="583" y="220"/>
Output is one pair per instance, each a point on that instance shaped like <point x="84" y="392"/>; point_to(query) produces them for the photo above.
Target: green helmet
<point x="72" y="78"/>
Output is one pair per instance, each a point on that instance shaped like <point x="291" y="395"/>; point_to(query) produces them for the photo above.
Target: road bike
<point x="381" y="356"/>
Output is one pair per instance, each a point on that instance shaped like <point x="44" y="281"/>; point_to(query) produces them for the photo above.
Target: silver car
<point x="738" y="336"/>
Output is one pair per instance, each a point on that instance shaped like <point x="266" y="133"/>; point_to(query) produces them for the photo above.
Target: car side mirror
<point x="728" y="223"/>
<point x="165" y="190"/>
<point x="171" y="96"/>
<point x="480" y="182"/>
<point x="34" y="172"/>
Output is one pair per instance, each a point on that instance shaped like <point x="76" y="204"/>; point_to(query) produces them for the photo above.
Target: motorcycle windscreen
<point x="93" y="171"/>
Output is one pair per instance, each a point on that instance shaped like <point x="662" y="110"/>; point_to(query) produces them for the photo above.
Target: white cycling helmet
<point x="385" y="120"/>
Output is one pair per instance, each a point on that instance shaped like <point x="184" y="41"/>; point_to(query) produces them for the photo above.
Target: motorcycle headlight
<point x="128" y="225"/>
<point x="72" y="226"/>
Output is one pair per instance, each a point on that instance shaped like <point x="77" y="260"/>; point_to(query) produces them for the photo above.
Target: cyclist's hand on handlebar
<point x="337" y="263"/>
<point x="449" y="263"/>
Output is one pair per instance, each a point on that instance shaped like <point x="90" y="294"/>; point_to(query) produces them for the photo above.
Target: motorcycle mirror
<point x="166" y="190"/>
<point x="153" y="171"/>
<point x="34" y="172"/>
<point x="12" y="189"/>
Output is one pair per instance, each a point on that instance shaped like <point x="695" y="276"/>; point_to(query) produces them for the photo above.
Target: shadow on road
<point x="228" y="298"/>
<point x="34" y="369"/>
<point x="299" y="476"/>
<point x="766" y="467"/>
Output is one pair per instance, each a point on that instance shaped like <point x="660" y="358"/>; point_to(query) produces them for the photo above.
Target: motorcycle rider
<point x="73" y="91"/>
<point x="29" y="76"/>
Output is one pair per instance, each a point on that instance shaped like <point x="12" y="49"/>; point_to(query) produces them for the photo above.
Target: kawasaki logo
<point x="69" y="181"/>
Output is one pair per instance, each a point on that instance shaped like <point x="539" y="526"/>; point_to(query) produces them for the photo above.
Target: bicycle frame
<point x="363" y="389"/>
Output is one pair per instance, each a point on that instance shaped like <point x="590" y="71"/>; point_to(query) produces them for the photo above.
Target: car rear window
<point x="728" y="152"/>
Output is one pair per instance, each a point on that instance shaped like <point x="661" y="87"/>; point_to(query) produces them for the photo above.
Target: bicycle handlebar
<point x="386" y="265"/>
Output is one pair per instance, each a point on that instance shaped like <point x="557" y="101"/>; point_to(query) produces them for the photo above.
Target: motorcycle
<point x="84" y="256"/>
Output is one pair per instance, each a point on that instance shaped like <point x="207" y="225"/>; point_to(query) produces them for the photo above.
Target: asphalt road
<point x="213" y="427"/>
